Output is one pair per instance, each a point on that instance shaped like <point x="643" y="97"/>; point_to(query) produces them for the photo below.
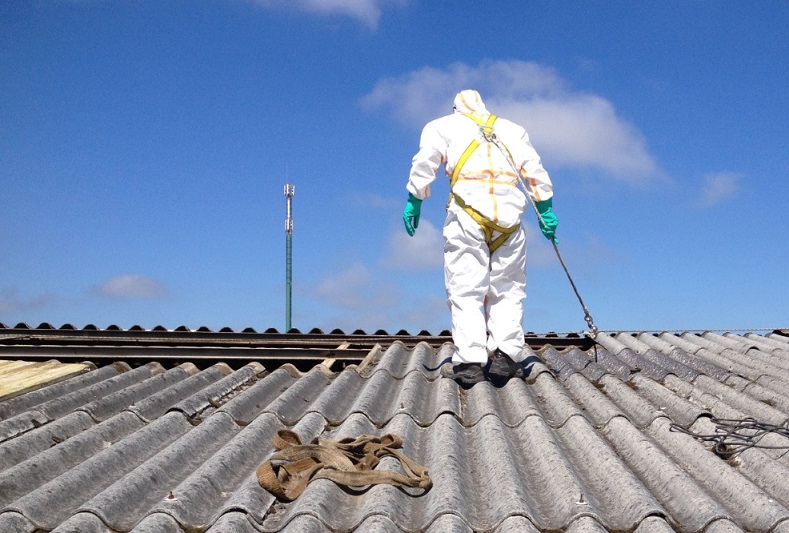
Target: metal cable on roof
<point x="692" y="330"/>
<point x="587" y="315"/>
<point x="734" y="436"/>
<point x="490" y="135"/>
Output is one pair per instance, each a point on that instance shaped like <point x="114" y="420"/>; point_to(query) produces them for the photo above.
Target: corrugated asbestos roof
<point x="589" y="439"/>
<point x="18" y="377"/>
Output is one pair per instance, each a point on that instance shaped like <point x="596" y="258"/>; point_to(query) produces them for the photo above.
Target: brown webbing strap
<point x="350" y="461"/>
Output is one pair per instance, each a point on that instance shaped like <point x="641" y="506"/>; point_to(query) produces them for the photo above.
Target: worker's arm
<point x="426" y="162"/>
<point x="538" y="180"/>
<point x="424" y="166"/>
<point x="533" y="172"/>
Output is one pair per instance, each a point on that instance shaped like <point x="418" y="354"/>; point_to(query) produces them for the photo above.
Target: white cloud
<point x="429" y="312"/>
<point x="354" y="287"/>
<point x="355" y="298"/>
<point x="539" y="250"/>
<point x="419" y="96"/>
<point x="12" y="302"/>
<point x="130" y="286"/>
<point x="369" y="200"/>
<point x="568" y="128"/>
<point x="366" y="11"/>
<point x="720" y="187"/>
<point x="424" y="250"/>
<point x="582" y="130"/>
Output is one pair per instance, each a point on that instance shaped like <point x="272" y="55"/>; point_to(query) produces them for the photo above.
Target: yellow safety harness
<point x="488" y="226"/>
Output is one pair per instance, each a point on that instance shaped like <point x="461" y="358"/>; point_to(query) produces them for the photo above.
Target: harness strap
<point x="487" y="129"/>
<point x="488" y="226"/>
<point x="349" y="461"/>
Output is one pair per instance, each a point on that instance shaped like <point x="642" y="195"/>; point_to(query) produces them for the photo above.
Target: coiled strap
<point x="350" y="461"/>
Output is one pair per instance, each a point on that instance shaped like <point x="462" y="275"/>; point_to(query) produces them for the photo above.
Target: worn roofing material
<point x="18" y="377"/>
<point x="583" y="442"/>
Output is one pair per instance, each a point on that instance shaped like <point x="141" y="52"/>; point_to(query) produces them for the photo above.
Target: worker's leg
<point x="466" y="262"/>
<point x="505" y="298"/>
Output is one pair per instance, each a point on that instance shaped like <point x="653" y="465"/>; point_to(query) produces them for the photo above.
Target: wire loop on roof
<point x="733" y="436"/>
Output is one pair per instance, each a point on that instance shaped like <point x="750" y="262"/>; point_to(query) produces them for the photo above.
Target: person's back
<point x="487" y="181"/>
<point x="484" y="242"/>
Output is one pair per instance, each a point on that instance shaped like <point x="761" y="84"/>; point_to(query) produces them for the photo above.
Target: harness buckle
<point x="489" y="134"/>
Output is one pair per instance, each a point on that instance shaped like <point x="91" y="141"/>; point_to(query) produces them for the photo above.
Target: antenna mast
<point x="290" y="190"/>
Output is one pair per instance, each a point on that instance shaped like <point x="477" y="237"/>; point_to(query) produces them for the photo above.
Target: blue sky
<point x="144" y="146"/>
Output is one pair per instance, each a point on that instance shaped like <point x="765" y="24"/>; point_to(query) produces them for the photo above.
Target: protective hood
<point x="469" y="101"/>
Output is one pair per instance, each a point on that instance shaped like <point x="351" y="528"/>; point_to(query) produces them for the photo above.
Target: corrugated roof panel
<point x="295" y="402"/>
<point x="422" y="358"/>
<point x="666" y="402"/>
<point x="602" y="362"/>
<point x="775" y="342"/>
<point x="637" y="409"/>
<point x="596" y="406"/>
<point x="101" y="391"/>
<point x="747" y="504"/>
<point x="770" y="392"/>
<point x="672" y="366"/>
<point x="52" y="409"/>
<point x="636" y="362"/>
<point x="675" y="353"/>
<point x="55" y="501"/>
<point x="32" y="443"/>
<point x="217" y="391"/>
<point x="157" y="404"/>
<point x="17" y="377"/>
<point x="31" y="471"/>
<point x="110" y="404"/>
<point x="598" y="440"/>
<point x="224" y="481"/>
<point x="19" y="404"/>
<point x="762" y="466"/>
<point x="623" y="500"/>
<point x="729" y="396"/>
<point x="684" y="500"/>
<point x="124" y="503"/>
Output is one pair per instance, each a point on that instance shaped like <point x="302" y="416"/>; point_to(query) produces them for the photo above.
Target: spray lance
<point x="490" y="136"/>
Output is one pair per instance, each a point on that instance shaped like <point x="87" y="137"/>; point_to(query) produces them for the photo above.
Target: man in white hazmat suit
<point x="484" y="241"/>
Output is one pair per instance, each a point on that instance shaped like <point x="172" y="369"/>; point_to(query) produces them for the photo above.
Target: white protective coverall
<point x="485" y="290"/>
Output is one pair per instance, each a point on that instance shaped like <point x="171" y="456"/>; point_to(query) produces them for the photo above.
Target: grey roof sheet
<point x="584" y="441"/>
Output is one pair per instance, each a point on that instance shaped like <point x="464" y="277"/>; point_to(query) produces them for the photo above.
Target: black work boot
<point x="501" y="367"/>
<point x="466" y="374"/>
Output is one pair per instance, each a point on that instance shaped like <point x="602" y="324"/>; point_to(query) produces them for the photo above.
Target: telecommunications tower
<point x="290" y="190"/>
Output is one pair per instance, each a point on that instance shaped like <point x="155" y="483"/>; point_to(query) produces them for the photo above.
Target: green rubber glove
<point x="548" y="221"/>
<point x="411" y="214"/>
